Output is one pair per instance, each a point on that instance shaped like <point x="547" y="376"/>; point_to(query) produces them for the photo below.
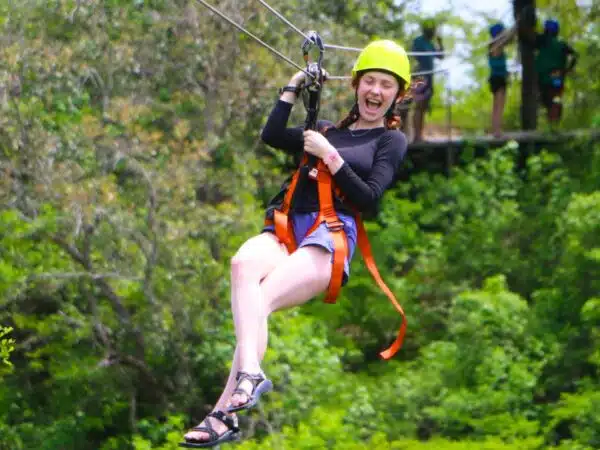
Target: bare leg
<point x="498" y="112"/>
<point x="247" y="303"/>
<point x="421" y="109"/>
<point x="261" y="349"/>
<point x="311" y="267"/>
<point x="494" y="113"/>
<point x="418" y="122"/>
<point x="255" y="259"/>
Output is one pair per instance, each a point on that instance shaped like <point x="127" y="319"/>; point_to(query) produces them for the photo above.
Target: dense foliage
<point x="132" y="170"/>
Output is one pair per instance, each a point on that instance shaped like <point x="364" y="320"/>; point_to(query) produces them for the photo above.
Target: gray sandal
<point x="232" y="434"/>
<point x="260" y="385"/>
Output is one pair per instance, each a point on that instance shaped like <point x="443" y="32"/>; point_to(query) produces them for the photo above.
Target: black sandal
<point x="214" y="438"/>
<point x="260" y="385"/>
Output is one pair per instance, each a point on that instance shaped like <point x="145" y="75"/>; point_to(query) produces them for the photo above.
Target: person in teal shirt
<point x="554" y="60"/>
<point x="498" y="79"/>
<point x="425" y="63"/>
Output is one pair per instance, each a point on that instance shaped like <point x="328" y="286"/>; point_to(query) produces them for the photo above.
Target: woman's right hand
<point x="297" y="79"/>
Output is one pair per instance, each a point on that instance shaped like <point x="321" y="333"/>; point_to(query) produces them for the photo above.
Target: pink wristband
<point x="331" y="157"/>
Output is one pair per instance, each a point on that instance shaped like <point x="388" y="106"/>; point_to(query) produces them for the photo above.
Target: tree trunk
<point x="529" y="82"/>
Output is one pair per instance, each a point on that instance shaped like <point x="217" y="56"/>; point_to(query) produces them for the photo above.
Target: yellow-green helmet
<point x="428" y="24"/>
<point x="384" y="55"/>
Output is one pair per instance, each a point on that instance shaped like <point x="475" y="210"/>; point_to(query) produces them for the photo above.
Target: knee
<point x="269" y="306"/>
<point x="244" y="267"/>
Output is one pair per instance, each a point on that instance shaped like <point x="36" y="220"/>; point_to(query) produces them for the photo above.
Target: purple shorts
<point x="302" y="222"/>
<point x="424" y="90"/>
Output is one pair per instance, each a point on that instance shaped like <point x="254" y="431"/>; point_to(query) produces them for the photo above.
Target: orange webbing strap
<point x="336" y="230"/>
<point x="283" y="226"/>
<point x="340" y="253"/>
<point x="327" y="214"/>
<point x="335" y="226"/>
<point x="365" y="249"/>
<point x="284" y="230"/>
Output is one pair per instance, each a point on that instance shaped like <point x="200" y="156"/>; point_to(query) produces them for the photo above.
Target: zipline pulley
<point x="313" y="83"/>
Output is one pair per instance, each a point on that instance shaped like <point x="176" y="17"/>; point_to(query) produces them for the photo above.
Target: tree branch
<point x="75" y="11"/>
<point x="71" y="275"/>
<point x="101" y="283"/>
<point x="152" y="253"/>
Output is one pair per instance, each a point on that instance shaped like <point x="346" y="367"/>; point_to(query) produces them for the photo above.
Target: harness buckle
<point x="337" y="225"/>
<point x="313" y="173"/>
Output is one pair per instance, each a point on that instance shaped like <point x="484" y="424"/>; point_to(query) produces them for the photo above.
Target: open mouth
<point x="372" y="105"/>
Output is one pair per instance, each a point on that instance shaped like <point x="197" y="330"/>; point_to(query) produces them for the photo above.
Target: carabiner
<point x="313" y="39"/>
<point x="314" y="80"/>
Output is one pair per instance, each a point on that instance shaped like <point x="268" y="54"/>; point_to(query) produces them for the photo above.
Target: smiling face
<point x="376" y="91"/>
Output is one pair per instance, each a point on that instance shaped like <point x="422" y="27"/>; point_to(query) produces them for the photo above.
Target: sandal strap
<point x="253" y="378"/>
<point x="230" y="422"/>
<point x="212" y="434"/>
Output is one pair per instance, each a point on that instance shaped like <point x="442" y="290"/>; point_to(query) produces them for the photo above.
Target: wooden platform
<point x="439" y="156"/>
<point x="520" y="137"/>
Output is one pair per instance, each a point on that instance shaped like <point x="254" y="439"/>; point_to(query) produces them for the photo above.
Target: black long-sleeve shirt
<point x="371" y="159"/>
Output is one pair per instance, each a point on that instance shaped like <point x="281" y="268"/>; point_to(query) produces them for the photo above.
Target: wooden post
<point x="449" y="149"/>
<point x="529" y="82"/>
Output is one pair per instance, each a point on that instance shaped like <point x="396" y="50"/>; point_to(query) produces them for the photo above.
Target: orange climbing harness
<point x="285" y="233"/>
<point x="326" y="188"/>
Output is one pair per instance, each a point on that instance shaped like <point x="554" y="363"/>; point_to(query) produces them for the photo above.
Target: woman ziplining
<point x="359" y="156"/>
<point x="313" y="225"/>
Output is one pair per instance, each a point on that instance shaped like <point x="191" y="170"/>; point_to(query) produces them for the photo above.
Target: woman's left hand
<point x="316" y="144"/>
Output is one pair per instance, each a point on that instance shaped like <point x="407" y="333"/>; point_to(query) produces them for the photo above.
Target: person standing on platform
<point x="426" y="51"/>
<point x="498" y="79"/>
<point x="555" y="59"/>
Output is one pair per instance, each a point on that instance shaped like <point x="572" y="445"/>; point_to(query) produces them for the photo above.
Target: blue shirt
<point x="498" y="65"/>
<point x="422" y="44"/>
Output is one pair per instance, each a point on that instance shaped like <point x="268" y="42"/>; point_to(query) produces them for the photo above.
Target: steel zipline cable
<point x="284" y="20"/>
<point x="291" y="25"/>
<point x="330" y="46"/>
<point x="356" y="49"/>
<point x="257" y="39"/>
<point x="336" y="47"/>
<point x="425" y="72"/>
